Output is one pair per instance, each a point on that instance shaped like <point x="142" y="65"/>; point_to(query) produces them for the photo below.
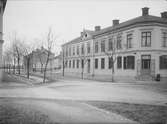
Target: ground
<point x="83" y="101"/>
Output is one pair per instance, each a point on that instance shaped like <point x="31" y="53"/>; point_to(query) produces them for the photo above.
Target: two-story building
<point x="2" y="8"/>
<point x="135" y="49"/>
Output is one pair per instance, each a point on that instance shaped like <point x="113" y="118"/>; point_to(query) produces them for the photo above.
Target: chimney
<point x="145" y="11"/>
<point x="164" y="15"/>
<point x="97" y="28"/>
<point x="115" y="22"/>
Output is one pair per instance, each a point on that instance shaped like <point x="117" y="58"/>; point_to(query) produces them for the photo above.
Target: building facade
<point x="2" y="8"/>
<point x="135" y="49"/>
<point x="38" y="60"/>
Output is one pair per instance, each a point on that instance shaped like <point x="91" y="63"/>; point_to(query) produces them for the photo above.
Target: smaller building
<point x="38" y="60"/>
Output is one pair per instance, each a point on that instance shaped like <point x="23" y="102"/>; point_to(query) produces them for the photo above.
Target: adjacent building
<point x="2" y="8"/>
<point x="38" y="60"/>
<point x="135" y="49"/>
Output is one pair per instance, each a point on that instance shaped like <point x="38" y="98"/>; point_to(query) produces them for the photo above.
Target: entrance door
<point x="145" y="61"/>
<point x="88" y="65"/>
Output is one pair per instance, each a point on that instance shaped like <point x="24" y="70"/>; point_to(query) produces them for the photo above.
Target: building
<point x="38" y="60"/>
<point x="135" y="49"/>
<point x="2" y="8"/>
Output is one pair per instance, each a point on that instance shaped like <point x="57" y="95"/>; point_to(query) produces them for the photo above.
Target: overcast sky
<point x="32" y="18"/>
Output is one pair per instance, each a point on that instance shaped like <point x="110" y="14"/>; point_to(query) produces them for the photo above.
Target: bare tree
<point x="112" y="55"/>
<point x="50" y="39"/>
<point x="7" y="57"/>
<point x="28" y="56"/>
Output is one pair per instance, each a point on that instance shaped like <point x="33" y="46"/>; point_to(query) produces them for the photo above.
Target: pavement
<point x="83" y="90"/>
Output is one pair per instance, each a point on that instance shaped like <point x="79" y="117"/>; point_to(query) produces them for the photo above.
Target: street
<point x="65" y="101"/>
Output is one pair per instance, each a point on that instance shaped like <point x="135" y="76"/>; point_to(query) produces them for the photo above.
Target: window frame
<point x="163" y="65"/>
<point x="146" y="35"/>
<point x="102" y="63"/>
<point x="119" y="62"/>
<point x="129" y="40"/>
<point x="96" y="63"/>
<point x="103" y="46"/>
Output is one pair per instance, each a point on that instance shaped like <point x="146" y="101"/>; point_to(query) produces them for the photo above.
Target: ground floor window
<point x="102" y="63"/>
<point x="77" y="63"/>
<point x="96" y="63"/>
<point x="119" y="62"/>
<point x="129" y="62"/>
<point x="73" y="63"/>
<point x="163" y="62"/>
<point x="82" y="63"/>
<point x="110" y="62"/>
<point x="66" y="63"/>
<point x="70" y="64"/>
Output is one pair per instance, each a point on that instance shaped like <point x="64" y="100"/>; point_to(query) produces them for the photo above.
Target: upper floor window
<point x="96" y="63"/>
<point x="110" y="44"/>
<point x="119" y="62"/>
<point x="82" y="49"/>
<point x="129" y="41"/>
<point x="66" y="51"/>
<point x="78" y="50"/>
<point x="88" y="47"/>
<point x="164" y="39"/>
<point x="96" y="47"/>
<point x="73" y="50"/>
<point x="163" y="62"/>
<point x="119" y="42"/>
<point x="103" y="46"/>
<point x="146" y="39"/>
<point x="70" y="51"/>
<point x="129" y="62"/>
<point x="102" y="63"/>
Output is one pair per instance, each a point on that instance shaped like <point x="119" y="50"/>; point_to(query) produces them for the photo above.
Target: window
<point x="82" y="63"/>
<point x="129" y="41"/>
<point x="163" y="62"/>
<point x="129" y="62"/>
<point x="96" y="47"/>
<point x="103" y="46"/>
<point x="96" y="63"/>
<point x="70" y="64"/>
<point x="88" y="48"/>
<point x="77" y="50"/>
<point x="164" y="39"/>
<point x="110" y="44"/>
<point x="119" y="42"/>
<point x="66" y="63"/>
<point x="77" y="63"/>
<point x="66" y="51"/>
<point x="119" y="62"/>
<point x="73" y="50"/>
<point x="102" y="63"/>
<point x="146" y="39"/>
<point x="110" y="62"/>
<point x="70" y="51"/>
<point x="73" y="63"/>
<point x="82" y="49"/>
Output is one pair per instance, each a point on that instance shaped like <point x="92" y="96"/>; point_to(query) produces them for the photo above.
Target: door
<point x="145" y="64"/>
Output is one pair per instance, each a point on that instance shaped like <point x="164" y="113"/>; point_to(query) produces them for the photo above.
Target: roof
<point x="138" y="20"/>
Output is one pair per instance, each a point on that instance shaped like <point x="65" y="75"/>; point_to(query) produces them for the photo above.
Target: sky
<point x="31" y="19"/>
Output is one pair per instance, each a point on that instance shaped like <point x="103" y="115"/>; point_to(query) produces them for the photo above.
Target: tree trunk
<point x="28" y="67"/>
<point x="18" y="63"/>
